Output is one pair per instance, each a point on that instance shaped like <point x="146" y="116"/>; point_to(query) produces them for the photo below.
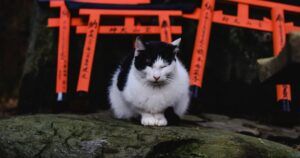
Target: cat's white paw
<point x="148" y="120"/>
<point x="161" y="120"/>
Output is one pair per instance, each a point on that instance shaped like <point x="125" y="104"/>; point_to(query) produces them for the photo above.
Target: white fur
<point x="138" y="97"/>
<point x="176" y="42"/>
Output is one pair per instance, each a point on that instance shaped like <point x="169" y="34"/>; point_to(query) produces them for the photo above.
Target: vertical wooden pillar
<point x="63" y="49"/>
<point x="129" y="21"/>
<point x="201" y="43"/>
<point x="88" y="52"/>
<point x="243" y="12"/>
<point x="165" y="28"/>
<point x="279" y="40"/>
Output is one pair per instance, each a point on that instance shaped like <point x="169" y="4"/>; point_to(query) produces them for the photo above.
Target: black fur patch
<point x="171" y="116"/>
<point x="124" y="70"/>
<point x="154" y="50"/>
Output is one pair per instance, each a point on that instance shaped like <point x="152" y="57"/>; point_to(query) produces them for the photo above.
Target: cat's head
<point x="155" y="62"/>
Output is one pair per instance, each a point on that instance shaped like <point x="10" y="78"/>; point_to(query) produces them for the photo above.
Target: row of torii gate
<point x="206" y="15"/>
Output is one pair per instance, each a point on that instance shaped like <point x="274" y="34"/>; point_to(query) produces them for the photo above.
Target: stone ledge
<point x="99" y="135"/>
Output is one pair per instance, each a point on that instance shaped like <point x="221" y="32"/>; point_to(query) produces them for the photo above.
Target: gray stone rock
<point x="289" y="136"/>
<point x="99" y="135"/>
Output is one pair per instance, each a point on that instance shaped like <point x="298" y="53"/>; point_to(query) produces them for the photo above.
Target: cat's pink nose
<point x="156" y="78"/>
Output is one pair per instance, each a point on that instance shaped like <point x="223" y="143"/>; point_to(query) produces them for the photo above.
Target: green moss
<point x="101" y="136"/>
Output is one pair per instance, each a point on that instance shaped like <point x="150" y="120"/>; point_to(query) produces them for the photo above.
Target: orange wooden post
<point x="165" y="26"/>
<point x="88" y="52"/>
<point x="243" y="12"/>
<point x="279" y="39"/>
<point x="129" y="21"/>
<point x="63" y="48"/>
<point x="201" y="43"/>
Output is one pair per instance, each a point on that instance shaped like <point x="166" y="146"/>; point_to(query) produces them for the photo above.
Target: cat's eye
<point x="163" y="66"/>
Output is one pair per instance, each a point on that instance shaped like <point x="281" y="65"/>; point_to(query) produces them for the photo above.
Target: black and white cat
<point x="148" y="82"/>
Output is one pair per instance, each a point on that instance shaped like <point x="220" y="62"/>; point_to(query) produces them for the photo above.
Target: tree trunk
<point x="38" y="73"/>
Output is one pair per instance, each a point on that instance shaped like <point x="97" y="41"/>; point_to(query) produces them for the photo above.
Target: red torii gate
<point x="206" y="15"/>
<point x="93" y="28"/>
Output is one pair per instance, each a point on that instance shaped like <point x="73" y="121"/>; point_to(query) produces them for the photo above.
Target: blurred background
<point x="231" y="87"/>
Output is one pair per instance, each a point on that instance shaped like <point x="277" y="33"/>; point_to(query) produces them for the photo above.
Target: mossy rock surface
<point x="99" y="135"/>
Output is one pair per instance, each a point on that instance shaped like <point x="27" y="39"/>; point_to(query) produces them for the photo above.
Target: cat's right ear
<point x="139" y="45"/>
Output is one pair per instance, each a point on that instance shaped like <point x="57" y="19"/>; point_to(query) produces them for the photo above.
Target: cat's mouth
<point x="157" y="83"/>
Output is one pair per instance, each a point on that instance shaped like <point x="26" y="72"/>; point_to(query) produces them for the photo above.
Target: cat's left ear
<point x="176" y="43"/>
<point x="139" y="45"/>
